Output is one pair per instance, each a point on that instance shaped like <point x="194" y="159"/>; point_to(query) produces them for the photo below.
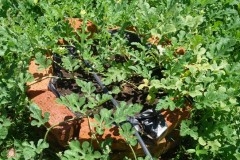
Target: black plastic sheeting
<point x="152" y="123"/>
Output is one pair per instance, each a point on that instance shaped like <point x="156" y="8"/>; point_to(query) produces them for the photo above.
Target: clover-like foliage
<point x="80" y="151"/>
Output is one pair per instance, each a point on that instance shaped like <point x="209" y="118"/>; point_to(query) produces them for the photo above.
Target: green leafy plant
<point x="70" y="63"/>
<point x="124" y="111"/>
<point x="42" y="61"/>
<point x="104" y="120"/>
<point x="206" y="71"/>
<point x="127" y="132"/>
<point x="36" y="114"/>
<point x="80" y="151"/>
<point x="5" y="124"/>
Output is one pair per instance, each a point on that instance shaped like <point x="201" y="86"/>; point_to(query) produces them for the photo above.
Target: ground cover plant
<point x="188" y="50"/>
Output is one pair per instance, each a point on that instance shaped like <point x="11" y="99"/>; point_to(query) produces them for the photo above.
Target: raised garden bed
<point x="63" y="133"/>
<point x="157" y="129"/>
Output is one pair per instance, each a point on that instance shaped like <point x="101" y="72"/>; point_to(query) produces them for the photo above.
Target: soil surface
<point x="129" y="92"/>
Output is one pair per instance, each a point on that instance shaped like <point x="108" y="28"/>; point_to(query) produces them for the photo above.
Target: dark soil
<point x="129" y="92"/>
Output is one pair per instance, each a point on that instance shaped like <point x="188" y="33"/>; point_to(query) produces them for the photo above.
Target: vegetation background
<point x="207" y="71"/>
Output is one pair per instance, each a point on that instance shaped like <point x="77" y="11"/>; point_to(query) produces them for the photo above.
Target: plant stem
<point x="130" y="83"/>
<point x="50" y="128"/>
<point x="135" y="157"/>
<point x="43" y="78"/>
<point x="91" y="130"/>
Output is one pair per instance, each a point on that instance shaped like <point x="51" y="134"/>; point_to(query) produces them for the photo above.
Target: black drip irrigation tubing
<point x="115" y="103"/>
